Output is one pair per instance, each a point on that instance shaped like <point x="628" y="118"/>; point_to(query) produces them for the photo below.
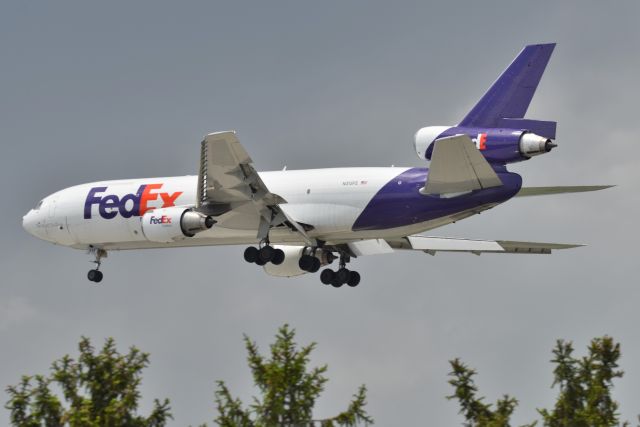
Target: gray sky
<point x="93" y="91"/>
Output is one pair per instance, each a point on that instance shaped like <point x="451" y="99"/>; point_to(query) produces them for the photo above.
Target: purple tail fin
<point x="510" y="95"/>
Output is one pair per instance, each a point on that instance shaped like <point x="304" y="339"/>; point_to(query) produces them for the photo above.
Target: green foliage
<point x="585" y="385"/>
<point x="99" y="389"/>
<point x="288" y="389"/>
<point x="476" y="412"/>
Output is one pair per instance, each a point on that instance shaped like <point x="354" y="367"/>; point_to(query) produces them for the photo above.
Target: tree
<point x="476" y="412"/>
<point x="99" y="389"/>
<point x="585" y="386"/>
<point x="289" y="390"/>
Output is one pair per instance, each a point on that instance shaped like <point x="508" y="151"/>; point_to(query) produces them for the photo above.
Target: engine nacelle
<point x="425" y="137"/>
<point x="167" y="225"/>
<point x="292" y="254"/>
<point x="289" y="267"/>
<point x="533" y="145"/>
<point x="498" y="145"/>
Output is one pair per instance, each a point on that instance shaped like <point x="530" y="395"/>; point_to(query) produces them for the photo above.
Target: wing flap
<point x="458" y="166"/>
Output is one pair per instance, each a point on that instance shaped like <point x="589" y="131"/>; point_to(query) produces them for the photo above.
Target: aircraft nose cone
<point x="30" y="224"/>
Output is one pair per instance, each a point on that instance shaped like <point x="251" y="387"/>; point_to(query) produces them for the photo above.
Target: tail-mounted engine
<point x="498" y="145"/>
<point x="167" y="225"/>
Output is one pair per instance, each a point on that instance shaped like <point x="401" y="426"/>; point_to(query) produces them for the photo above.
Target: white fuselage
<point x="330" y="199"/>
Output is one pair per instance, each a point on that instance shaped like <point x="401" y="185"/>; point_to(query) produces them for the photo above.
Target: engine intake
<point x="167" y="225"/>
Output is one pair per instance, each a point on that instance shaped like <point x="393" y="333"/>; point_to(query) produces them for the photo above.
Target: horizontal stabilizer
<point x="543" y="191"/>
<point x="432" y="245"/>
<point x="458" y="166"/>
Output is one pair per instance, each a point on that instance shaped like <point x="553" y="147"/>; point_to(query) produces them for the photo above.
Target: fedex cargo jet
<point x="297" y="221"/>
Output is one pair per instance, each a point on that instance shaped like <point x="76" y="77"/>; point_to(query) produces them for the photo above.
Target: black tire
<point x="315" y="266"/>
<point x="251" y="254"/>
<point x="98" y="278"/>
<point x="342" y="275"/>
<point x="354" y="279"/>
<point x="306" y="262"/>
<point x="278" y="257"/>
<point x="326" y="276"/>
<point x="91" y="275"/>
<point x="260" y="262"/>
<point x="335" y="282"/>
<point x="266" y="253"/>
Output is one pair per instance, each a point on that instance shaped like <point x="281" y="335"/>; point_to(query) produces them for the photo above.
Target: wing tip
<point x="223" y="132"/>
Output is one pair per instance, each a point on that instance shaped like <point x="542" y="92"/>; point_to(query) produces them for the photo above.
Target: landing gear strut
<point x="96" y="275"/>
<point x="342" y="276"/>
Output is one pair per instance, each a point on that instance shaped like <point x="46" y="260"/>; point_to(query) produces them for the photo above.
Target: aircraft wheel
<point x="335" y="282"/>
<point x="251" y="254"/>
<point x="265" y="254"/>
<point x="315" y="266"/>
<point x="278" y="257"/>
<point x="354" y="279"/>
<point x="342" y="275"/>
<point x="306" y="262"/>
<point x="94" y="276"/>
<point x="326" y="276"/>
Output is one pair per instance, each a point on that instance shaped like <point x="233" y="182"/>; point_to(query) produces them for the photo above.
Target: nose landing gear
<point x="96" y="275"/>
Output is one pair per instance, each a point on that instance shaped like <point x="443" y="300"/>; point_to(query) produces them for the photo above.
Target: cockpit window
<point x="39" y="204"/>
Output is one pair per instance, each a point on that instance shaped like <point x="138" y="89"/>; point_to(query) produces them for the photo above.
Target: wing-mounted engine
<point x="498" y="145"/>
<point x="167" y="225"/>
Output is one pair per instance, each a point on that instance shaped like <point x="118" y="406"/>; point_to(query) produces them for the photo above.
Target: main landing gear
<point x="264" y="254"/>
<point x="311" y="260"/>
<point x="342" y="276"/>
<point x="96" y="275"/>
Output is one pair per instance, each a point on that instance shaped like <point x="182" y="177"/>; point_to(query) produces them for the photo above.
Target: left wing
<point x="227" y="175"/>
<point x="230" y="188"/>
<point x="431" y="245"/>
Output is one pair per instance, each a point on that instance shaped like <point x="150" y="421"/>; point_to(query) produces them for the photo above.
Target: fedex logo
<point x="162" y="220"/>
<point x="481" y="141"/>
<point x="128" y="205"/>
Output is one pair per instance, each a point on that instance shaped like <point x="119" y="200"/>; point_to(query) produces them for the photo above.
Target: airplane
<point x="298" y="221"/>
